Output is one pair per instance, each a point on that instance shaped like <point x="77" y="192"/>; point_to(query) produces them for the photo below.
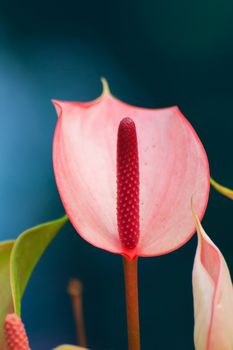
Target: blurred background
<point x="154" y="53"/>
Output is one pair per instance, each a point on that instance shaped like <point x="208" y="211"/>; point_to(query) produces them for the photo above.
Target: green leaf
<point x="28" y="248"/>
<point x="227" y="192"/>
<point x="6" y="303"/>
<point x="69" y="347"/>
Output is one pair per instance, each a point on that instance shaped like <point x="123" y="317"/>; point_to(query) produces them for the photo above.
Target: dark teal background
<point x="154" y="54"/>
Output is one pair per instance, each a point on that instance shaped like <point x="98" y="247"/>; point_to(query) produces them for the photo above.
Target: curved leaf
<point x="6" y="303"/>
<point x="227" y="192"/>
<point x="28" y="248"/>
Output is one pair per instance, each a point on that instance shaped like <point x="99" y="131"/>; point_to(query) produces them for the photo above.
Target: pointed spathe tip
<point x="57" y="106"/>
<point x="105" y="86"/>
<point x="196" y="220"/>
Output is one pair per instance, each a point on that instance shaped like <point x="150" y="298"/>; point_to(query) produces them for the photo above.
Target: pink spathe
<point x="213" y="296"/>
<point x="173" y="167"/>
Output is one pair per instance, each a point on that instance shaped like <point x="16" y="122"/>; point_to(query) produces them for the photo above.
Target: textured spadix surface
<point x="15" y="333"/>
<point x="173" y="167"/>
<point x="213" y="296"/>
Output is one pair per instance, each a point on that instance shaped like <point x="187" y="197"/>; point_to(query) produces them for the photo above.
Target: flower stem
<point x="75" y="291"/>
<point x="132" y="309"/>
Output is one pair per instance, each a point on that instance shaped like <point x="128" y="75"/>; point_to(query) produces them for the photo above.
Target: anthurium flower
<point x="213" y="296"/>
<point x="227" y="192"/>
<point x="106" y="195"/>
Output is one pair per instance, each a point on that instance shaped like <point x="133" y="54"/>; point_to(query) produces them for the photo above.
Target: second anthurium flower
<point x="213" y="296"/>
<point x="126" y="174"/>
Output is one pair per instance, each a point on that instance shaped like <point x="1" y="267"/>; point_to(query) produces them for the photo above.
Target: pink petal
<point x="213" y="296"/>
<point x="172" y="163"/>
